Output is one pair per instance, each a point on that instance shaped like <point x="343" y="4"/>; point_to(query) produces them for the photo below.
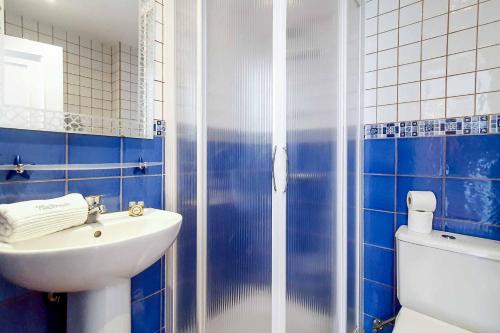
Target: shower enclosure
<point x="263" y="164"/>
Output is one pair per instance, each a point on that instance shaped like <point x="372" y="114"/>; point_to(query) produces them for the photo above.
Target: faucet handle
<point x="94" y="200"/>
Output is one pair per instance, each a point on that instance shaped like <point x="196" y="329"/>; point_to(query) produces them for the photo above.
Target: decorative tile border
<point x="159" y="127"/>
<point x="436" y="127"/>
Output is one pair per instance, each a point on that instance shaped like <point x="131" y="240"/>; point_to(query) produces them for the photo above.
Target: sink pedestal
<point x="100" y="311"/>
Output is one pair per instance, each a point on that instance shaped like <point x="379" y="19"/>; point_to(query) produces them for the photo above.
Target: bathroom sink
<point x="94" y="263"/>
<point x="91" y="256"/>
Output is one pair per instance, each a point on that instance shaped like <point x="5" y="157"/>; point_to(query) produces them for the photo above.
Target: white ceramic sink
<point x="94" y="263"/>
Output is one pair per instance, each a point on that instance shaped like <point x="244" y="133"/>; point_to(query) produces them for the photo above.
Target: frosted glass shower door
<point x="312" y="111"/>
<point x="239" y="165"/>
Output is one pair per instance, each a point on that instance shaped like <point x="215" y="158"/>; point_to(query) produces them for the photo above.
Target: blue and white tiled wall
<point x="432" y="104"/>
<point x="26" y="311"/>
<point x="464" y="174"/>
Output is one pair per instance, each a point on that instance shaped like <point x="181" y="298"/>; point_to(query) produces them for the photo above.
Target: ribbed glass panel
<point x="311" y="139"/>
<point x="185" y="54"/>
<point x="239" y="82"/>
<point x="353" y="123"/>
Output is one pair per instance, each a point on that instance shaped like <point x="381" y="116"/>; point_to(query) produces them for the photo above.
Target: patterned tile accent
<point x="438" y="127"/>
<point x="159" y="127"/>
<point x="495" y="123"/>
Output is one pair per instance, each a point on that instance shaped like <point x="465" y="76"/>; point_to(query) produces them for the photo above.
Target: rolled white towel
<point x="30" y="219"/>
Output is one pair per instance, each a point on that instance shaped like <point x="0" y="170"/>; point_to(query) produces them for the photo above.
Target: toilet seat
<point x="409" y="321"/>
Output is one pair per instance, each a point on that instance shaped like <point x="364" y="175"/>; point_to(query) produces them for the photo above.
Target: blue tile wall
<point x="26" y="311"/>
<point x="464" y="174"/>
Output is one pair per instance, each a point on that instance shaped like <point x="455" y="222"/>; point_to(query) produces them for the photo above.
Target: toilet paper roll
<point x="420" y="221"/>
<point x="424" y="201"/>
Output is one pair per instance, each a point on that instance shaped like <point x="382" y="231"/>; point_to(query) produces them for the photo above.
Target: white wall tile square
<point x="430" y="59"/>
<point x="433" y="109"/>
<point x="489" y="11"/>
<point x="371" y="44"/>
<point x="434" y="27"/>
<point x="488" y="57"/>
<point x="388" y="40"/>
<point x="460" y="106"/>
<point x="371" y="26"/>
<point x="388" y="21"/>
<point x="385" y="6"/>
<point x="457" y="4"/>
<point x="388" y="58"/>
<point x="460" y="84"/>
<point x="370" y="115"/>
<point x="387" y="77"/>
<point x="488" y="80"/>
<point x="409" y="73"/>
<point x="433" y="48"/>
<point x="409" y="92"/>
<point x="463" y="19"/>
<point x="387" y="113"/>
<point x="410" y="14"/>
<point x="434" y="68"/>
<point x="410" y="33"/>
<point x="409" y="111"/>
<point x="488" y="34"/>
<point x="409" y="53"/>
<point x="488" y="103"/>
<point x="432" y="89"/>
<point x="462" y="41"/>
<point x="387" y="95"/>
<point x="462" y="62"/>
<point x="370" y="80"/>
<point x="435" y="7"/>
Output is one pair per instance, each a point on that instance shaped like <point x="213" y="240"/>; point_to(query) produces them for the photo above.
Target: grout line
<point x="476" y="60"/>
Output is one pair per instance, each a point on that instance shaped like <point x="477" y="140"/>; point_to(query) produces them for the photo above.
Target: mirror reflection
<point x="74" y="66"/>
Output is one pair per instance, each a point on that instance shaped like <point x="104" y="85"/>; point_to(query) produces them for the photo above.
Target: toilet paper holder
<point x="378" y="324"/>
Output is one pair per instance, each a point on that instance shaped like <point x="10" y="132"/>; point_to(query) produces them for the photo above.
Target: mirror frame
<point x="50" y="120"/>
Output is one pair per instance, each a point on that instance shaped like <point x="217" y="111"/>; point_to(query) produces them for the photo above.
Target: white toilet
<point x="447" y="283"/>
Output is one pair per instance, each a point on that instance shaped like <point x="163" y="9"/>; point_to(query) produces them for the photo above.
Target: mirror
<point x="84" y="66"/>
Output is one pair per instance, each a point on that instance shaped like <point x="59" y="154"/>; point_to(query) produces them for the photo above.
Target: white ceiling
<point x="105" y="20"/>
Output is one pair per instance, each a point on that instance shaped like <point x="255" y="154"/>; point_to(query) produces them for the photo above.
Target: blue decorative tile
<point x="405" y="184"/>
<point x="147" y="282"/>
<point x="378" y="300"/>
<point x="420" y="156"/>
<point x="475" y="156"/>
<point x="9" y="290"/>
<point x="379" y="156"/>
<point x="14" y="192"/>
<point x="379" y="264"/>
<point x="148" y="150"/>
<point x="92" y="149"/>
<point x="473" y="200"/>
<point x="146" y="314"/>
<point x="143" y="188"/>
<point x="379" y="192"/>
<point x="108" y="187"/>
<point x="34" y="148"/>
<point x="379" y="228"/>
<point x="26" y="314"/>
<point x="473" y="229"/>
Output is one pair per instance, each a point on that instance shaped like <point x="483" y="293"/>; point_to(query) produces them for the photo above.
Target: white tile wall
<point x="431" y="59"/>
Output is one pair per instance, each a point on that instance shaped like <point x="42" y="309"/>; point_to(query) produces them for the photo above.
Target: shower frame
<point x="349" y="128"/>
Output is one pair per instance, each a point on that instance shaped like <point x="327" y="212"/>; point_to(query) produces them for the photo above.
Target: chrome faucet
<point x="95" y="207"/>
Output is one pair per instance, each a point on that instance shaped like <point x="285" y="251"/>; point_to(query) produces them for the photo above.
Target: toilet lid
<point x="409" y="321"/>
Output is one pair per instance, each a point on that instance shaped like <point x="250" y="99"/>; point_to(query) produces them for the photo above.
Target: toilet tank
<point x="451" y="277"/>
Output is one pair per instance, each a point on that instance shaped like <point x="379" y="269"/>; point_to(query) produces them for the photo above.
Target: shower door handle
<point x="275" y="152"/>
